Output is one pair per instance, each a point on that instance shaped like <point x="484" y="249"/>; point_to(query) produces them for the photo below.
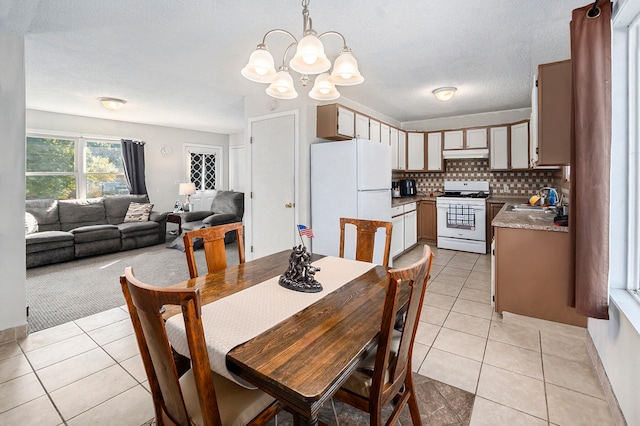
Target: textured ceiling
<point x="177" y="62"/>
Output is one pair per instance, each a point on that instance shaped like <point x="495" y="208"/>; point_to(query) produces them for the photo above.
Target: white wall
<point x="471" y="120"/>
<point x="163" y="174"/>
<point x="13" y="297"/>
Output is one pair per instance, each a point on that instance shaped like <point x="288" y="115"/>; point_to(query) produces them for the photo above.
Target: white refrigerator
<point x="349" y="179"/>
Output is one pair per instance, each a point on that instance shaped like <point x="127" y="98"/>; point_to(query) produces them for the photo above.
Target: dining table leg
<point x="299" y="420"/>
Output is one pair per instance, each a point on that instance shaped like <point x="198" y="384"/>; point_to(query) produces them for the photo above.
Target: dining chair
<point x="365" y="238"/>
<point x="214" y="248"/>
<point x="386" y="375"/>
<point x="200" y="397"/>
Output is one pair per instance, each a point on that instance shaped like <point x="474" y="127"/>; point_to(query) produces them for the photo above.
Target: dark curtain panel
<point x="133" y="160"/>
<point x="590" y="158"/>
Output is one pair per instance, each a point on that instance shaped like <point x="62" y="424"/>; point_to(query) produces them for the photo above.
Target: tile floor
<point x="522" y="371"/>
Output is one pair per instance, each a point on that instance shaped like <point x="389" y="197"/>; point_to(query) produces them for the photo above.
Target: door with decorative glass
<point x="204" y="169"/>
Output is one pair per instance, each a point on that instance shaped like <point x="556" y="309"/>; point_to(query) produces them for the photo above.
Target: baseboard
<point x="610" y="397"/>
<point x="14" y="334"/>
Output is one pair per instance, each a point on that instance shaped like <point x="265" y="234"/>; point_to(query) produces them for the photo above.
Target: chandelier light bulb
<point x="345" y="70"/>
<point x="260" y="67"/>
<point x="324" y="89"/>
<point x="282" y="87"/>
<point x="310" y="57"/>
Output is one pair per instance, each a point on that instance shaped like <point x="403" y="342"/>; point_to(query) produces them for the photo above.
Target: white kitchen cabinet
<point x="476" y="138"/>
<point x="415" y="151"/>
<point x="520" y="145"/>
<point x="410" y="227"/>
<point x="394" y="148"/>
<point x="454" y="139"/>
<point x="397" y="235"/>
<point x="374" y="130"/>
<point x="335" y="122"/>
<point x="499" y="148"/>
<point x="402" y="150"/>
<point x="385" y="137"/>
<point x="434" y="152"/>
<point x="362" y="126"/>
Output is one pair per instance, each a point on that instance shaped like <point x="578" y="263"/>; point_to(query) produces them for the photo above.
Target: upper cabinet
<point x="499" y="148"/>
<point x="394" y="148"/>
<point x="519" y="145"/>
<point x="552" y="143"/>
<point x="435" y="161"/>
<point x="454" y="139"/>
<point x="362" y="126"/>
<point x="385" y="137"/>
<point x="374" y="130"/>
<point x="476" y="138"/>
<point x="335" y="122"/>
<point x="402" y="150"/>
<point x="415" y="151"/>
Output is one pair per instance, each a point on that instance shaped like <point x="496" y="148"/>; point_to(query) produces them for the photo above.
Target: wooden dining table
<point x="302" y="360"/>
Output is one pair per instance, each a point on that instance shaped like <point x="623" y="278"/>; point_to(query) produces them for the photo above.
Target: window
<point x="633" y="57"/>
<point x="67" y="168"/>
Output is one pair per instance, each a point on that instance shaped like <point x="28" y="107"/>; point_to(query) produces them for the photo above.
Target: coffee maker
<point x="395" y="189"/>
<point x="407" y="187"/>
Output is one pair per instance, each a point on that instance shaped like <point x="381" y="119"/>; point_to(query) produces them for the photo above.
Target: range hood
<point x="452" y="154"/>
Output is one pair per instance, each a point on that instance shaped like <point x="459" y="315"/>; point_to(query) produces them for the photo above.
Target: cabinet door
<point x="362" y="126"/>
<point x="402" y="150"/>
<point x="427" y="221"/>
<point x="520" y="146"/>
<point x="394" y="148"/>
<point x="385" y="137"/>
<point x="454" y="139"/>
<point x="397" y="235"/>
<point x="476" y="138"/>
<point x="346" y="122"/>
<point x="499" y="148"/>
<point x="554" y="113"/>
<point x="415" y="151"/>
<point x="434" y="152"/>
<point x="410" y="229"/>
<point x="374" y="130"/>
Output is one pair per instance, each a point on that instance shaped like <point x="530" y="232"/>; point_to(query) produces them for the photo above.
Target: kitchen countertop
<point x="526" y="220"/>
<point x="395" y="202"/>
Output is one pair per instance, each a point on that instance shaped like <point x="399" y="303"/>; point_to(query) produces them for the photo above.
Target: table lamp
<point x="187" y="189"/>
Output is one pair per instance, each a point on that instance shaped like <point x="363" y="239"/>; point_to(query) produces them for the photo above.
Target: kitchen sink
<point x="529" y="209"/>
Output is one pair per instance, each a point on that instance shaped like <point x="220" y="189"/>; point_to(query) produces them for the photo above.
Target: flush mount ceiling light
<point x="309" y="58"/>
<point x="444" y="93"/>
<point x="112" y="104"/>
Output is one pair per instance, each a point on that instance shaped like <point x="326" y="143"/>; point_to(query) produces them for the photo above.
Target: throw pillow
<point x="138" y="212"/>
<point x="30" y="224"/>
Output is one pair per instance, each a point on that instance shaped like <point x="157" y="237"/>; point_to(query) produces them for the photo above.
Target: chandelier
<point x="309" y="59"/>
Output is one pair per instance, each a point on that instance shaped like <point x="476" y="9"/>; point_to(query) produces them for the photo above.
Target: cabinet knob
<point x="289" y="205"/>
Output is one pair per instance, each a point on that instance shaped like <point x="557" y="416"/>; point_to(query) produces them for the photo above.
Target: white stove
<point x="462" y="215"/>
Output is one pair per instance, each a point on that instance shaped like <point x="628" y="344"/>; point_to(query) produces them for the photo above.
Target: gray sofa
<point x="226" y="207"/>
<point x="69" y="229"/>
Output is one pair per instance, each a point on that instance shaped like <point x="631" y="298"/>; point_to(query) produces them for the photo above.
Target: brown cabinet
<point x="532" y="275"/>
<point x="492" y="210"/>
<point x="335" y="122"/>
<point x="554" y="113"/>
<point x="427" y="221"/>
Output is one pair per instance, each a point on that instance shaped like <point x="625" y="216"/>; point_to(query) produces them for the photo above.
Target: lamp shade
<point x="187" y="188"/>
<point x="444" y="93"/>
<point x="260" y="67"/>
<point x="345" y="70"/>
<point x="310" y="57"/>
<point x="282" y="87"/>
<point x="324" y="89"/>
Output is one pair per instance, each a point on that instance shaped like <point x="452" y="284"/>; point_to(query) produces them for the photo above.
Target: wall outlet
<point x="505" y="188"/>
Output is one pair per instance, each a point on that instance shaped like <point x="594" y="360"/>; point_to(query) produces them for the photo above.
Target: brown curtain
<point x="590" y="158"/>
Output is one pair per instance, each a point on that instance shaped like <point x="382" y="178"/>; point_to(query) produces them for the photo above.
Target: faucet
<point x="549" y="190"/>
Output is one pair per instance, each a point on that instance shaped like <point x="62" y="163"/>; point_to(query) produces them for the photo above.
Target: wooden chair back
<point x="365" y="238"/>
<point x="392" y="379"/>
<point x="144" y="303"/>
<point x="214" y="248"/>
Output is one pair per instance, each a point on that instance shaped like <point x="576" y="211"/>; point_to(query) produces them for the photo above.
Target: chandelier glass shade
<point x="309" y="59"/>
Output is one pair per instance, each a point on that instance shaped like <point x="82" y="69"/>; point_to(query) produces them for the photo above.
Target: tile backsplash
<point x="516" y="183"/>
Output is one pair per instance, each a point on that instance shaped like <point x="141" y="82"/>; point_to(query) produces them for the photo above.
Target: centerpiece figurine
<point x="300" y="275"/>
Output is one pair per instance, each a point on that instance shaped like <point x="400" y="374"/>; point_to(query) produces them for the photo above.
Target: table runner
<point x="240" y="317"/>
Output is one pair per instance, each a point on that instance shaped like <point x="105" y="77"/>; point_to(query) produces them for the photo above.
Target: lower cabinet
<point x="492" y="211"/>
<point x="410" y="228"/>
<point x="405" y="228"/>
<point x="427" y="221"/>
<point x="397" y="235"/>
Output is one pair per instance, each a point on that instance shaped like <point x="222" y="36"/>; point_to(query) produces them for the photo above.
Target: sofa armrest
<point x="157" y="216"/>
<point x="194" y="216"/>
<point x="161" y="218"/>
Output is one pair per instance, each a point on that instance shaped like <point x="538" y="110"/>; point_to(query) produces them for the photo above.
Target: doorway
<point x="273" y="183"/>
<point x="203" y="167"/>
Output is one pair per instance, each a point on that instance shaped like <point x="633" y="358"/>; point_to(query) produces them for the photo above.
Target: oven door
<point x="461" y="219"/>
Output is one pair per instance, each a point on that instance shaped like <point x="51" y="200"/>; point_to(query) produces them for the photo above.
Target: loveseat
<point x="69" y="229"/>
<point x="226" y="207"/>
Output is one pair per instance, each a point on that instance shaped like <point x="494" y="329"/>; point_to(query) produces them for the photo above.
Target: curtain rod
<point x="594" y="12"/>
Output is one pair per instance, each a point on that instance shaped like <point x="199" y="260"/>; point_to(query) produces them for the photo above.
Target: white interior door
<point x="273" y="154"/>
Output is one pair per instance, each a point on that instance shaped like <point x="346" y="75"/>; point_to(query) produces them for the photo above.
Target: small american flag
<point x="304" y="231"/>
